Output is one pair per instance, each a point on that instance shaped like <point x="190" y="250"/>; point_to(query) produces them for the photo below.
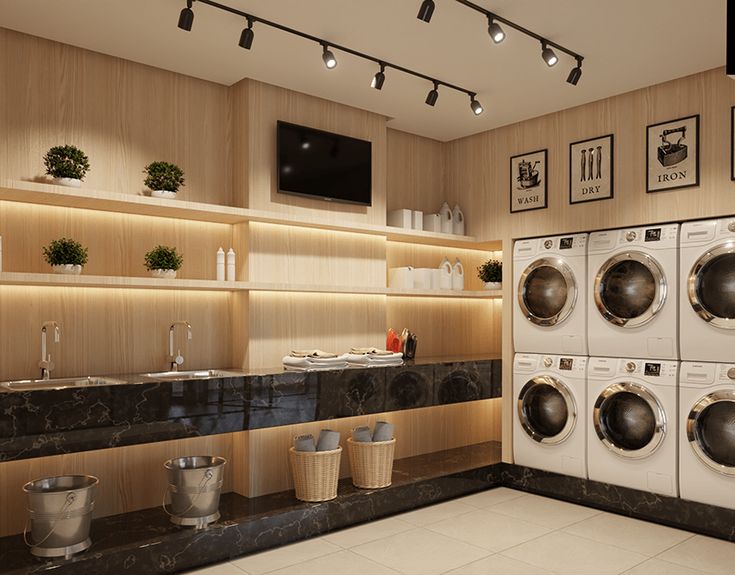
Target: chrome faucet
<point x="46" y="365"/>
<point x="178" y="359"/>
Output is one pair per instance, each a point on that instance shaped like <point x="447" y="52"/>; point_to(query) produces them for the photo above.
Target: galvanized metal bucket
<point x="60" y="514"/>
<point x="195" y="484"/>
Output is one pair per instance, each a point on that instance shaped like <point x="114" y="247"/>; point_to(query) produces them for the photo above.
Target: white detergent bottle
<point x="445" y="213"/>
<point x="231" y="265"/>
<point x="220" y="265"/>
<point x="457" y="220"/>
<point x="445" y="274"/>
<point x="458" y="275"/>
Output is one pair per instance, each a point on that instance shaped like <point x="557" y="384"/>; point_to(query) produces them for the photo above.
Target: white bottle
<point x="220" y="265"/>
<point x="446" y="215"/>
<point x="458" y="275"/>
<point x="457" y="220"/>
<point x="445" y="274"/>
<point x="231" y="265"/>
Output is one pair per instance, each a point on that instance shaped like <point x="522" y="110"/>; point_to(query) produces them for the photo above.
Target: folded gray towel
<point x="383" y="431"/>
<point x="304" y="443"/>
<point x="328" y="440"/>
<point x="362" y="433"/>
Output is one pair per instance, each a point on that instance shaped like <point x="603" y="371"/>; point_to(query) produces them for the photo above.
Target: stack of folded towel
<point x="373" y="357"/>
<point x="314" y="360"/>
<point x="328" y="441"/>
<point x="383" y="432"/>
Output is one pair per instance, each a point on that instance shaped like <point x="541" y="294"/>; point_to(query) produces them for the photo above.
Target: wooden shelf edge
<point x="60" y="280"/>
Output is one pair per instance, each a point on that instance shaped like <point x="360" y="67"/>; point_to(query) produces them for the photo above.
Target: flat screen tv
<point x="324" y="165"/>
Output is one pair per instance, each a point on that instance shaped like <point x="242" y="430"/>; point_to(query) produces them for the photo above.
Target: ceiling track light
<point x="475" y="105"/>
<point x="186" y="18"/>
<point x="328" y="56"/>
<point x="548" y="55"/>
<point x="426" y="11"/>
<point x="247" y="36"/>
<point x="576" y="73"/>
<point x="379" y="78"/>
<point x="433" y="95"/>
<point x="493" y="28"/>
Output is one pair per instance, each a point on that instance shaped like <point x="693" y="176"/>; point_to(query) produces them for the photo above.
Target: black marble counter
<point x="55" y="421"/>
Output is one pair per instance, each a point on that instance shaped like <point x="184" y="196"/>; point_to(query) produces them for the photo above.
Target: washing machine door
<point x="547" y="410"/>
<point x="629" y="420"/>
<point x="630" y="289"/>
<point x="547" y="291"/>
<point x="711" y="286"/>
<point x="711" y="431"/>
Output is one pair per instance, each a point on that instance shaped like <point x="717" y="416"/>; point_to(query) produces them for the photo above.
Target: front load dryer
<point x="632" y="433"/>
<point x="549" y="312"/>
<point x="707" y="433"/>
<point x="707" y="290"/>
<point x="632" y="307"/>
<point x="549" y="422"/>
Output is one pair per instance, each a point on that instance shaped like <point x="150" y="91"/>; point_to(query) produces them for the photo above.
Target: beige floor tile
<point x="285" y="556"/>
<point x="657" y="567"/>
<point x="367" y="532"/>
<point x="499" y="565"/>
<point x="220" y="569"/>
<point x="703" y="553"/>
<point x="435" y="513"/>
<point x="631" y="534"/>
<point x="491" y="531"/>
<point x="491" y="497"/>
<point x="543" y="511"/>
<point x="342" y="563"/>
<point x="572" y="555"/>
<point x="420" y="552"/>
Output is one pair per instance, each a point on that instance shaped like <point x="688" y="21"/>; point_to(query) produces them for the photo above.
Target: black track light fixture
<point x="426" y="10"/>
<point x="379" y="78"/>
<point x="186" y="18"/>
<point x="493" y="28"/>
<point x="329" y="60"/>
<point x="477" y="108"/>
<point x="433" y="95"/>
<point x="576" y="73"/>
<point x="247" y="36"/>
<point x="548" y="55"/>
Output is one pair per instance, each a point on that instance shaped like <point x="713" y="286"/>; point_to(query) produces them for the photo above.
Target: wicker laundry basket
<point x="371" y="463"/>
<point x="315" y="473"/>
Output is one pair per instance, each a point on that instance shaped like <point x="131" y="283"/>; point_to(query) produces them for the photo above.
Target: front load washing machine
<point x="632" y="433"/>
<point x="707" y="433"/>
<point x="549" y="312"/>
<point x="549" y="424"/>
<point x="707" y="290"/>
<point x="632" y="308"/>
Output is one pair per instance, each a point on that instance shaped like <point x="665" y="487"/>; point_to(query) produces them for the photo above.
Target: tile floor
<point x="503" y="532"/>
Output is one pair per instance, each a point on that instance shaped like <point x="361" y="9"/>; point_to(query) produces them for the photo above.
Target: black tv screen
<point x="324" y="165"/>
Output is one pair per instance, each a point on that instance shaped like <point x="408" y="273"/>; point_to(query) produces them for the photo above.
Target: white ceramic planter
<point x="68" y="182"/>
<point x="165" y="274"/>
<point x="68" y="269"/>
<point x="493" y="285"/>
<point x="162" y="194"/>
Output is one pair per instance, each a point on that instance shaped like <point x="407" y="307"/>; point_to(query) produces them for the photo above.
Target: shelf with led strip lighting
<point x="62" y="196"/>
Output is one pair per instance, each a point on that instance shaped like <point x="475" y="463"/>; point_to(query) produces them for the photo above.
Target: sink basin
<point x="60" y="383"/>
<point x="188" y="375"/>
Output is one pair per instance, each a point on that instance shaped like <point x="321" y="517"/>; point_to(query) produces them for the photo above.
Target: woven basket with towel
<point x="371" y="456"/>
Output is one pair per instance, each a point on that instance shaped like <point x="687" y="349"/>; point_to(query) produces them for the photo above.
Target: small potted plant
<point x="163" y="262"/>
<point x="67" y="165"/>
<point x="66" y="256"/>
<point x="491" y="272"/>
<point x="163" y="179"/>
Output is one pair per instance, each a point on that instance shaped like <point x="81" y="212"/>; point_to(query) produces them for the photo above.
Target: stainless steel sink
<point x="189" y="375"/>
<point x="60" y="383"/>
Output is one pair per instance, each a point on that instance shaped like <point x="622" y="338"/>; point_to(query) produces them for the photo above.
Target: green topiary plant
<point x="163" y="176"/>
<point x="66" y="162"/>
<point x="491" y="271"/>
<point x="65" y="252"/>
<point x="163" y="258"/>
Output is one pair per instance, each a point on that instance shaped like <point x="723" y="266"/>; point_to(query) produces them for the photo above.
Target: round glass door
<point x="711" y="431"/>
<point x="547" y="292"/>
<point x="629" y="420"/>
<point x="711" y="286"/>
<point x="546" y="410"/>
<point x="630" y="289"/>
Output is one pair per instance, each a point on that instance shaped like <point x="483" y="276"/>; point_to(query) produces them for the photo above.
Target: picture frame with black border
<point x="670" y="165"/>
<point x="528" y="181"/>
<point x="592" y="169"/>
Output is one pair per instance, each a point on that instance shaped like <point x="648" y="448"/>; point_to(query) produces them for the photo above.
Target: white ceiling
<point x="627" y="44"/>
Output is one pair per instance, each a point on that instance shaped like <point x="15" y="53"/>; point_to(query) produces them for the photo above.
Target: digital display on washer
<point x="653" y="369"/>
<point x="566" y="363"/>
<point x="653" y="235"/>
<point x="566" y="243"/>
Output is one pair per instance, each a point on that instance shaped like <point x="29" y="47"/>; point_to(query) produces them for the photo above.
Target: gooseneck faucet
<point x="46" y="365"/>
<point x="178" y="359"/>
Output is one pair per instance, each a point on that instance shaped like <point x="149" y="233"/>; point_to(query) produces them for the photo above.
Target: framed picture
<point x="672" y="150"/>
<point x="591" y="169"/>
<point x="528" y="181"/>
<point x="732" y="143"/>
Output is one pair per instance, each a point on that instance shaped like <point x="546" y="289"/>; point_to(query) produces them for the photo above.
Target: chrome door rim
<point x="568" y="400"/>
<point x="658" y="300"/>
<point x="696" y="303"/>
<point x="652" y="401"/>
<point x="563" y="268"/>
<point x="693" y="436"/>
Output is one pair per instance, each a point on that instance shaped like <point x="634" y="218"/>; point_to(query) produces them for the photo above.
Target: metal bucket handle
<point x="70" y="499"/>
<point x="202" y="486"/>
